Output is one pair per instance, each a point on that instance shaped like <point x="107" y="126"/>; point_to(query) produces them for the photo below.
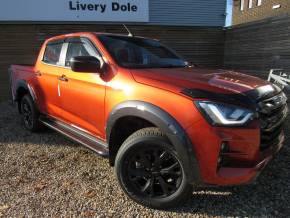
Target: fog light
<point x="220" y="160"/>
<point x="224" y="150"/>
<point x="224" y="147"/>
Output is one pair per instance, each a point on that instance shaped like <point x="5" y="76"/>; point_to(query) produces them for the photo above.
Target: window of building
<point x="52" y="53"/>
<point x="242" y="5"/>
<point x="250" y="3"/>
<point x="259" y="2"/>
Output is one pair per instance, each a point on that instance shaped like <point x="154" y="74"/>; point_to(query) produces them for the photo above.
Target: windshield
<point x="132" y="52"/>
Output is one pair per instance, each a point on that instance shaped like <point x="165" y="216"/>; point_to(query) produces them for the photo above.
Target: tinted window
<point x="76" y="49"/>
<point x="133" y="52"/>
<point x="52" y="53"/>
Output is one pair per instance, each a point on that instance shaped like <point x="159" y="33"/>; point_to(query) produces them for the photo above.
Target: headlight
<point x="223" y="114"/>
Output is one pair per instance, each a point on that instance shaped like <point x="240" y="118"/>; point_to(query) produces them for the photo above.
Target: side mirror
<point x="87" y="64"/>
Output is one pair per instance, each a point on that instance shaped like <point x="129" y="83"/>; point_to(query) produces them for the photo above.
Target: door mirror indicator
<point x="87" y="64"/>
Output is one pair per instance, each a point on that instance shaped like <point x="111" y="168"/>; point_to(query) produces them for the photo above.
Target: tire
<point x="150" y="171"/>
<point x="30" y="114"/>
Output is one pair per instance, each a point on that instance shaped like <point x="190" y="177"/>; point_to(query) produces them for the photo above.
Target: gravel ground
<point x="46" y="175"/>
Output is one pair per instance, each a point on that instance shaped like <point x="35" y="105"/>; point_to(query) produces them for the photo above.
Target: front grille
<point x="272" y="114"/>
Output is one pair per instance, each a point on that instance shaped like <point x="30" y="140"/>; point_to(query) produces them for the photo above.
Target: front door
<point x="82" y="94"/>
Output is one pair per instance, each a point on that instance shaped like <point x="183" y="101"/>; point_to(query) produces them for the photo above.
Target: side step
<point x="89" y="141"/>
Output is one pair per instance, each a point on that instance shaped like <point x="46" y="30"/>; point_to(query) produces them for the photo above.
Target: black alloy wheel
<point x="30" y="114"/>
<point x="154" y="172"/>
<point x="150" y="171"/>
<point x="27" y="114"/>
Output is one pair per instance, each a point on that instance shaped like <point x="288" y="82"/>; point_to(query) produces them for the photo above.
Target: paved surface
<point x="46" y="175"/>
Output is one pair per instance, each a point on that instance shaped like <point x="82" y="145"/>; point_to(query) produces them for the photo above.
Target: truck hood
<point x="216" y="82"/>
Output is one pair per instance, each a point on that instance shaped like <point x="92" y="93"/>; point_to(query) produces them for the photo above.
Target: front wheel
<point x="150" y="170"/>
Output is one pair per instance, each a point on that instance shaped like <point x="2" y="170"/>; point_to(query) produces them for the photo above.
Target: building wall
<point x="19" y="44"/>
<point x="258" y="12"/>
<point x="259" y="46"/>
<point x="188" y="12"/>
<point x="161" y="12"/>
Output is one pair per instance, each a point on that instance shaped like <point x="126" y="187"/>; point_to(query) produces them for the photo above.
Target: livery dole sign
<point x="75" y="10"/>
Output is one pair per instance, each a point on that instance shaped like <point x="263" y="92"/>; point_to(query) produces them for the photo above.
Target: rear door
<point x="47" y="83"/>
<point x="82" y="93"/>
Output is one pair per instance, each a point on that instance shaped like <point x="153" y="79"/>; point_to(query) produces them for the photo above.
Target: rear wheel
<point x="150" y="171"/>
<point x="30" y="114"/>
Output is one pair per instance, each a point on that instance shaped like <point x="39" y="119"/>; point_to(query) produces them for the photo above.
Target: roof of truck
<point x="78" y="34"/>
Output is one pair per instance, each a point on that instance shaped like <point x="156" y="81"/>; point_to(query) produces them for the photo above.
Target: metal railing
<point x="279" y="77"/>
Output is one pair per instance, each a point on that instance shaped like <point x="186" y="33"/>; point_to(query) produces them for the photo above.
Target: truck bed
<point x="22" y="67"/>
<point x="18" y="73"/>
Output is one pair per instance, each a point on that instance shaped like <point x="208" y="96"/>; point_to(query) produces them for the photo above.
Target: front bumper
<point x="249" y="174"/>
<point x="244" y="159"/>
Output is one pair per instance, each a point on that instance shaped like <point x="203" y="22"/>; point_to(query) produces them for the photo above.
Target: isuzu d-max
<point x="166" y="126"/>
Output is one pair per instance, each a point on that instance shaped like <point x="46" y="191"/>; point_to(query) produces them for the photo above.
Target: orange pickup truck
<point x="165" y="125"/>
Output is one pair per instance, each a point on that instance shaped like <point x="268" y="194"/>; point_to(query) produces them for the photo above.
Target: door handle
<point x="63" y="78"/>
<point x="38" y="73"/>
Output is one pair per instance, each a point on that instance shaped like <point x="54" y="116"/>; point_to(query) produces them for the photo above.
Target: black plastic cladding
<point x="23" y="84"/>
<point x="167" y="124"/>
